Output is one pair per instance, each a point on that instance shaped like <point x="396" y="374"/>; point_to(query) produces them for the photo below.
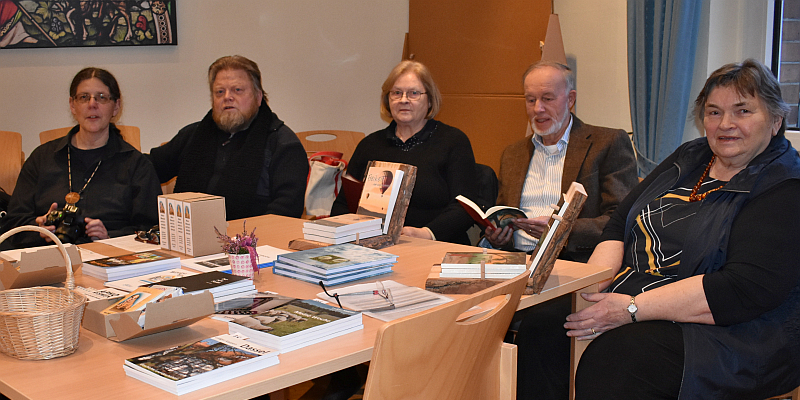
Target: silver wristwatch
<point x="633" y="309"/>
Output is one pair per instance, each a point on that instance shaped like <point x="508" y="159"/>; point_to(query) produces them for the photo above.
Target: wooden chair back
<point x="11" y="159"/>
<point x="344" y="142"/>
<point x="130" y="134"/>
<point x="449" y="352"/>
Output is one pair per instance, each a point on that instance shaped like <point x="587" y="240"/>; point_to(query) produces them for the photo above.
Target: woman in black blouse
<point x="443" y="155"/>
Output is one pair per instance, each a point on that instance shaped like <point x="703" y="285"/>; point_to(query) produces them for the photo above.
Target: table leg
<point x="577" y="347"/>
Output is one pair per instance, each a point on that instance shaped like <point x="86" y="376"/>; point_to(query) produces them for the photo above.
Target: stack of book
<point x="290" y="324"/>
<point x="130" y="284"/>
<point x="223" y="286"/>
<point x="130" y="265"/>
<point x="185" y="368"/>
<point x="335" y="264"/>
<point x="505" y="265"/>
<point x="342" y="228"/>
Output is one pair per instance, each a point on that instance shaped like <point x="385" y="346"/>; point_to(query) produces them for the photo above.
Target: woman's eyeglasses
<point x="379" y="292"/>
<point x="100" y="98"/>
<point x="411" y="94"/>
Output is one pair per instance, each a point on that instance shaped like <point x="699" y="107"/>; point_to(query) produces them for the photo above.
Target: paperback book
<point x="296" y="324"/>
<point x="295" y="272"/>
<point x="185" y="368"/>
<point x="337" y="258"/>
<point x="342" y="224"/>
<point x="248" y="305"/>
<point x="130" y="265"/>
<point x="135" y="300"/>
<point x="223" y="286"/>
<point x="496" y="217"/>
<point x="344" y="238"/>
<point x="99" y="294"/>
<point x="496" y="265"/>
<point x="381" y="186"/>
<point x="130" y="284"/>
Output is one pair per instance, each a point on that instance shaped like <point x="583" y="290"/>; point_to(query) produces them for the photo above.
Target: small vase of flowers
<point x="241" y="251"/>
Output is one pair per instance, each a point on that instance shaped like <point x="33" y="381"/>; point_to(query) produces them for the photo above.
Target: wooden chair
<point x="129" y="133"/>
<point x="449" y="352"/>
<point x="344" y="142"/>
<point x="11" y="159"/>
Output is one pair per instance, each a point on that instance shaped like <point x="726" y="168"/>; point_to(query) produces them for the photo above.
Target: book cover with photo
<point x="182" y="369"/>
<point x="346" y="256"/>
<point x="134" y="259"/>
<point x="296" y="324"/>
<point x="492" y="261"/>
<point x="248" y="305"/>
<point x="135" y="300"/>
<point x="379" y="195"/>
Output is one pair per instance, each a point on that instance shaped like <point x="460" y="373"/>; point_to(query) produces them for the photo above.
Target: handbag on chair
<point x="324" y="181"/>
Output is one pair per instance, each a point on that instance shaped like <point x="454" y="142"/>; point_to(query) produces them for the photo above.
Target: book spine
<point x="163" y="222"/>
<point x="176" y="225"/>
<point x="188" y="228"/>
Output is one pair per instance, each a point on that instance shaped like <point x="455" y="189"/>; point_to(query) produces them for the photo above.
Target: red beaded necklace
<point x="698" y="197"/>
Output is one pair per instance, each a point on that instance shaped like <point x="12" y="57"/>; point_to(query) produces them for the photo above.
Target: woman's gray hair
<point x="748" y="78"/>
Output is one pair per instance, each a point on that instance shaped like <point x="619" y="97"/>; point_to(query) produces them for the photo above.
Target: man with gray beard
<point x="239" y="150"/>
<point x="536" y="170"/>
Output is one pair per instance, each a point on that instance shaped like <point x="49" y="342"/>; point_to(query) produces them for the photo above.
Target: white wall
<point x="322" y="62"/>
<point x="595" y="36"/>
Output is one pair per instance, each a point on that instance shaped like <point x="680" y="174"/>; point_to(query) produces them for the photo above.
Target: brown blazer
<point x="601" y="159"/>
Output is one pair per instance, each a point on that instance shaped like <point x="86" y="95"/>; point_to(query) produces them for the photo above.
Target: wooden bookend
<point x="549" y="248"/>
<point x="400" y="206"/>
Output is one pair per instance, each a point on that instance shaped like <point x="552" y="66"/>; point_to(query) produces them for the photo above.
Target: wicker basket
<point x="40" y="323"/>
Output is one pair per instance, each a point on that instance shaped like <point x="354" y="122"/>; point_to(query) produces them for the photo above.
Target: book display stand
<point x="398" y="214"/>
<point x="540" y="263"/>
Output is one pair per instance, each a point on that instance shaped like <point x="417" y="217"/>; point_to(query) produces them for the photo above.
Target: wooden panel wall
<point x="477" y="51"/>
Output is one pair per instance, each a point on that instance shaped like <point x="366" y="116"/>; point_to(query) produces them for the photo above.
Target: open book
<point x="496" y="217"/>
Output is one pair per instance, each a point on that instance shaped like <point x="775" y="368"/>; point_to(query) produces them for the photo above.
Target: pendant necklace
<point x="72" y="198"/>
<point x="699" y="197"/>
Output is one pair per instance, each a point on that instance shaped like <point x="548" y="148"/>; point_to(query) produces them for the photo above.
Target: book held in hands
<point x="185" y="368"/>
<point x="496" y="217"/>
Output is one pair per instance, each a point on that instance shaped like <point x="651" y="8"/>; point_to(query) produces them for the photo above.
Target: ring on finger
<point x="593" y="331"/>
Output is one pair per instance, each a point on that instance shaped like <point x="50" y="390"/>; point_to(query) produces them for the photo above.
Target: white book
<point x="130" y="284"/>
<point x="175" y="208"/>
<point x="379" y="195"/>
<point x="185" y="368"/>
<point x="219" y="262"/>
<point x="308" y="235"/>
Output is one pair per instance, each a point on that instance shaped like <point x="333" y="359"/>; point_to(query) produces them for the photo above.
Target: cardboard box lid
<point x="170" y="314"/>
<point x="39" y="267"/>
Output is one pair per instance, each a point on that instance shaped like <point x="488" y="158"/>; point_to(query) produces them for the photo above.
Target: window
<point x="786" y="55"/>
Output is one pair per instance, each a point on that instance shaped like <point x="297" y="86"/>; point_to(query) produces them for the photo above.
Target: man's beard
<point x="554" y="127"/>
<point x="233" y="121"/>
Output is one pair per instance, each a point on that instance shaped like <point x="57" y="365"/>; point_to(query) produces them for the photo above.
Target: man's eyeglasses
<point x="386" y="303"/>
<point x="411" y="94"/>
<point x="100" y="98"/>
<point x="151" y="236"/>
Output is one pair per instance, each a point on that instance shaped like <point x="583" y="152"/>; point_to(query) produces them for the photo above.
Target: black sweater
<point x="445" y="168"/>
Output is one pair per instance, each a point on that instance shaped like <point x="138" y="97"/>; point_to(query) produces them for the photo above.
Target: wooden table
<point x="95" y="369"/>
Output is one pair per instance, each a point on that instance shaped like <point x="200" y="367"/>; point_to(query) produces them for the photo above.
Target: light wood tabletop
<point x="95" y="370"/>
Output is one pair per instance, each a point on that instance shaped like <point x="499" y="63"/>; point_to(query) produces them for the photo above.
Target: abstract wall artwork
<point x="80" y="23"/>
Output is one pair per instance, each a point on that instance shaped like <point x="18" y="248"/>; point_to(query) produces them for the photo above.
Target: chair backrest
<point x="439" y="355"/>
<point x="344" y="142"/>
<point x="11" y="159"/>
<point x="130" y="134"/>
